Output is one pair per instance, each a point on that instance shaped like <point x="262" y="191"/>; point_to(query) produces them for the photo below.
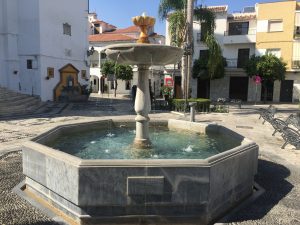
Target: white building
<point x="104" y="34"/>
<point x="43" y="46"/>
<point x="236" y="34"/>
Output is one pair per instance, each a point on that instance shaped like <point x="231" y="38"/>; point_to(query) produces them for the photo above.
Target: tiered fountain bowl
<point x="131" y="190"/>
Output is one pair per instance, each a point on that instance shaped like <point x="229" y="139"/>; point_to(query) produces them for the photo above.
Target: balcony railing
<point x="231" y="63"/>
<point x="296" y="64"/>
<point x="235" y="63"/>
<point x="297" y="33"/>
<point x="232" y="33"/>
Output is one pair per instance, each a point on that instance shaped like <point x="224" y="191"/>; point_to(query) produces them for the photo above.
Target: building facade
<point x="277" y="33"/>
<point x="43" y="46"/>
<point x="255" y="30"/>
<point x="103" y="34"/>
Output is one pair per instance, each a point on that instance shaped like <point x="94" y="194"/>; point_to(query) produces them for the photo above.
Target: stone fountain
<point x="114" y="190"/>
<point x="143" y="55"/>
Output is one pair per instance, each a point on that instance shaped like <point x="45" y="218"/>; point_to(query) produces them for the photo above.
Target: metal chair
<point x="279" y="125"/>
<point x="291" y="136"/>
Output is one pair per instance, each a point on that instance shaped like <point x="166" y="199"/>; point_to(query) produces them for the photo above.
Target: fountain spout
<point x="143" y="22"/>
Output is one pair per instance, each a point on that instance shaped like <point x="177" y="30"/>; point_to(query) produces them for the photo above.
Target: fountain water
<point x="128" y="189"/>
<point x="143" y="55"/>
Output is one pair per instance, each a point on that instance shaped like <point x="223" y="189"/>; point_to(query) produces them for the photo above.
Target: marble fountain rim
<point x="33" y="143"/>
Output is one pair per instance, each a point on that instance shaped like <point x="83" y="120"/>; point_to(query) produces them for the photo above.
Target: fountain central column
<point x="142" y="108"/>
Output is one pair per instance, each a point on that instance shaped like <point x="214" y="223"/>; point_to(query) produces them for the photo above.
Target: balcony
<point x="297" y="33"/>
<point x="296" y="64"/>
<point x="235" y="64"/>
<point x="231" y="63"/>
<point x="240" y="38"/>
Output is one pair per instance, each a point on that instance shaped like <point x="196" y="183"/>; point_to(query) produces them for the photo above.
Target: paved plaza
<point x="278" y="169"/>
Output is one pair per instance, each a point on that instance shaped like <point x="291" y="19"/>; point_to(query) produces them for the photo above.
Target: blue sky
<point x="119" y="12"/>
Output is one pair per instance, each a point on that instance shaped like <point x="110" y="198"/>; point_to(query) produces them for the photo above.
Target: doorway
<point x="269" y="87"/>
<point x="177" y="87"/>
<point x="243" y="57"/>
<point x="286" y="91"/>
<point x="238" y="88"/>
<point x="203" y="88"/>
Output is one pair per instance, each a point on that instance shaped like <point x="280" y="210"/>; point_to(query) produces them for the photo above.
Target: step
<point x="17" y="101"/>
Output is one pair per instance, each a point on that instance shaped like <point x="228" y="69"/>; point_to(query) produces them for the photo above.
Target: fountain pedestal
<point x="142" y="108"/>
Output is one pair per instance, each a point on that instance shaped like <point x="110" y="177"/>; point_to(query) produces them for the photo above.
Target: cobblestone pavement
<point x="13" y="209"/>
<point x="278" y="169"/>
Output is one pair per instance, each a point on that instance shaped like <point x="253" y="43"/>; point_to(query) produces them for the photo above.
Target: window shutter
<point x="275" y="26"/>
<point x="297" y="20"/>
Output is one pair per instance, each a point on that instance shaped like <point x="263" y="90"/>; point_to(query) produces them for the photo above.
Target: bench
<point x="294" y="120"/>
<point x="290" y="136"/>
<point x="267" y="114"/>
<point x="278" y="125"/>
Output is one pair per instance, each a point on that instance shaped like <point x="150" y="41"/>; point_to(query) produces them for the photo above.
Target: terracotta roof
<point x="219" y="8"/>
<point x="242" y="16"/>
<point x="107" y="37"/>
<point x="102" y="22"/>
<point x="132" y="29"/>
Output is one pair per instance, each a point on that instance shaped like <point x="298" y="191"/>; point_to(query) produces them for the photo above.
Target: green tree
<point x="119" y="71"/>
<point x="212" y="67"/>
<point x="179" y="30"/>
<point x="268" y="67"/>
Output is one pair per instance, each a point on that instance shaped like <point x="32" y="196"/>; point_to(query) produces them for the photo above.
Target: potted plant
<point x="166" y="91"/>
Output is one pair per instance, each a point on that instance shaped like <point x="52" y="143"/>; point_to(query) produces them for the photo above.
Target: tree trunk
<point x="190" y="19"/>
<point x="115" y="86"/>
<point x="183" y="75"/>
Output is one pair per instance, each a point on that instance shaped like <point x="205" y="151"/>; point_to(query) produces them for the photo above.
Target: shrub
<point x="202" y="104"/>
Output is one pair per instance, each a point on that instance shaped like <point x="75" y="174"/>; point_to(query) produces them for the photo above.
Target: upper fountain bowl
<point x="144" y="54"/>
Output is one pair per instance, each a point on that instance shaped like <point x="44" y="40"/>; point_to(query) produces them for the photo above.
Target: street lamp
<point x="90" y="52"/>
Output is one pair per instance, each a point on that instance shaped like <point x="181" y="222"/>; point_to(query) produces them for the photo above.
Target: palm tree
<point x="181" y="29"/>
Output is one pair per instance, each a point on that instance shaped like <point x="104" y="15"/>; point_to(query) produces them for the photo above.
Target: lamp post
<point x="90" y="52"/>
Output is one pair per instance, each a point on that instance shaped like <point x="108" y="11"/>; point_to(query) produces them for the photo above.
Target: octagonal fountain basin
<point x="195" y="172"/>
<point x="144" y="54"/>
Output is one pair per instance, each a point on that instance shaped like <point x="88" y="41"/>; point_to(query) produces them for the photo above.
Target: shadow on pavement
<point x="272" y="177"/>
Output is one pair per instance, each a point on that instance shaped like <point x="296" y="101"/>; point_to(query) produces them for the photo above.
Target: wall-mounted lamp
<point x="90" y="52"/>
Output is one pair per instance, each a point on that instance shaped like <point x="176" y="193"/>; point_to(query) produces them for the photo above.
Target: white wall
<point x="2" y="63"/>
<point x="231" y="51"/>
<point x="9" y="42"/>
<point x="29" y="46"/>
<point x="221" y="24"/>
<point x="57" y="49"/>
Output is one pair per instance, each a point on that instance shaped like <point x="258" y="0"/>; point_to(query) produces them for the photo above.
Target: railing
<point x="232" y="33"/>
<point x="296" y="64"/>
<point x="231" y="63"/>
<point x="297" y="33"/>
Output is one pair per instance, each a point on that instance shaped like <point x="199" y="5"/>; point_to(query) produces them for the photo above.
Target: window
<point x="238" y="28"/>
<point x="128" y="85"/>
<point x="297" y="30"/>
<point x="203" y="31"/>
<point x="103" y="55"/>
<point x="274" y="51"/>
<point x="198" y="37"/>
<point x="275" y="25"/>
<point x="243" y="57"/>
<point x="29" y="64"/>
<point x="203" y="55"/>
<point x="67" y="29"/>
